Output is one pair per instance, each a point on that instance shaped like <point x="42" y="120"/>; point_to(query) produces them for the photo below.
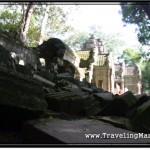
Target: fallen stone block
<point x="65" y="101"/>
<point x="58" y="131"/>
<point x="21" y="96"/>
<point x="116" y="107"/>
<point x="104" y="98"/>
<point x="140" y="100"/>
<point x="76" y="91"/>
<point x="128" y="98"/>
<point x="141" y="120"/>
<point x="91" y="106"/>
<point x="119" y="105"/>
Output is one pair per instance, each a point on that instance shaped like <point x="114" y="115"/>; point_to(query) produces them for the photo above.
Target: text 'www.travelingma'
<point x="118" y="135"/>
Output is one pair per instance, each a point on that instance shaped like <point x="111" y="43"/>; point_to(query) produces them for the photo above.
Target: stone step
<point x="57" y="131"/>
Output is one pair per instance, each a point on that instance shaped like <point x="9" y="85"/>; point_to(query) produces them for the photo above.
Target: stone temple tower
<point x="96" y="63"/>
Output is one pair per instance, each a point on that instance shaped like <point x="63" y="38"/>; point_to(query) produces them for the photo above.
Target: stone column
<point x="112" y="82"/>
<point x="109" y="80"/>
<point x="122" y="86"/>
<point x="139" y="87"/>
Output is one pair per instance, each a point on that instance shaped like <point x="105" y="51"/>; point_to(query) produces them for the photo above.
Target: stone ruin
<point x="45" y="87"/>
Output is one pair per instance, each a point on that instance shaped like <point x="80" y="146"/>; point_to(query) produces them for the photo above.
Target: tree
<point x="43" y="26"/>
<point x="53" y="21"/>
<point x="111" y="42"/>
<point x="76" y="40"/>
<point x="138" y="58"/>
<point x="139" y="14"/>
<point x="131" y="56"/>
<point x="10" y="19"/>
<point x="30" y="20"/>
<point x="146" y="76"/>
<point x="27" y="10"/>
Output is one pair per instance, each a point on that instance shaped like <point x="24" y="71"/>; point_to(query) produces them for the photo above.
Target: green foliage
<point x="10" y="20"/>
<point x="135" y="14"/>
<point x="77" y="40"/>
<point x="131" y="56"/>
<point x="146" y="76"/>
<point x="56" y="23"/>
<point x="33" y="33"/>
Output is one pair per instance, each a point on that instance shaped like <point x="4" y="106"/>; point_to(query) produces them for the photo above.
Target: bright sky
<point x="106" y="16"/>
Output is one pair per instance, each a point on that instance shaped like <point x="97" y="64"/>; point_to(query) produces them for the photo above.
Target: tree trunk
<point x="26" y="21"/>
<point x="43" y="26"/>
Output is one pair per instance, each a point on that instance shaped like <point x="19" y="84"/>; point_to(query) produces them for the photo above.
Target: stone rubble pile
<point x="26" y="94"/>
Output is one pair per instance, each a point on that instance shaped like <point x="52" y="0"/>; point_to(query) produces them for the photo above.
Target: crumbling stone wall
<point x="28" y="55"/>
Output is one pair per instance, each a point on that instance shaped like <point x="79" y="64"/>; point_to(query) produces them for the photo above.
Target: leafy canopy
<point x="133" y="13"/>
<point x="56" y="23"/>
<point x="111" y="42"/>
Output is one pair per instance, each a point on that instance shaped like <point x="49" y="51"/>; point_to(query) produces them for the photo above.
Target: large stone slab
<point x="21" y="97"/>
<point x="56" y="131"/>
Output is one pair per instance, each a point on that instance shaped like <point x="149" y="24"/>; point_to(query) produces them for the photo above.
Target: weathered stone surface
<point x="119" y="105"/>
<point x="68" y="79"/>
<point x="116" y="107"/>
<point x="4" y="55"/>
<point x="128" y="98"/>
<point x="43" y="80"/>
<point x="65" y="101"/>
<point x="74" y="102"/>
<point x="104" y="98"/>
<point x="21" y="96"/>
<point x="140" y="100"/>
<point x="141" y="120"/>
<point x="86" y="63"/>
<point x="65" y="83"/>
<point x="55" y="49"/>
<point x="52" y="114"/>
<point x="121" y="122"/>
<point x="91" y="106"/>
<point x="77" y="91"/>
<point x="86" y="89"/>
<point x="27" y="70"/>
<point x="56" y="131"/>
<point x="11" y="44"/>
